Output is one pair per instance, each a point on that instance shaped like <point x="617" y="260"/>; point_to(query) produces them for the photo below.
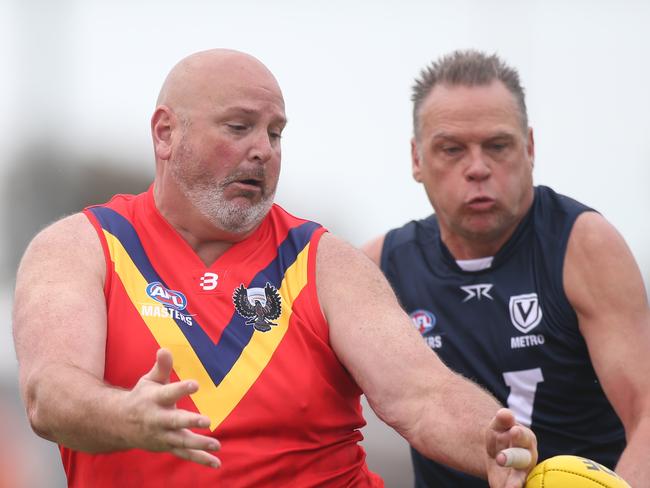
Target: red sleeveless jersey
<point x="250" y="330"/>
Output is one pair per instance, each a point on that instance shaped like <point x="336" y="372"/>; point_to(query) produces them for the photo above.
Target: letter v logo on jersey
<point x="525" y="312"/>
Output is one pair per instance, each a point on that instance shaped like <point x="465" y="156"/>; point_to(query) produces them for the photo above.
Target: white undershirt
<point x="475" y="264"/>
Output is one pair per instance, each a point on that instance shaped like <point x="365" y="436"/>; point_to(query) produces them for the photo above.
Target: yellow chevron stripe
<point x="262" y="345"/>
<point x="215" y="401"/>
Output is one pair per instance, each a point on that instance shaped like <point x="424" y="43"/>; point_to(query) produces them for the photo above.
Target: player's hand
<point x="503" y="434"/>
<point x="155" y="424"/>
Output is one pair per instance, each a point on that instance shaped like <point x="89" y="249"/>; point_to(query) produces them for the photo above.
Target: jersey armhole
<point x="569" y="313"/>
<point x="107" y="255"/>
<point x="385" y="250"/>
<point x="316" y="310"/>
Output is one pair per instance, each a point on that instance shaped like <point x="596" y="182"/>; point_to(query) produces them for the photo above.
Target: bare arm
<point x="59" y="322"/>
<point x="604" y="285"/>
<point x="373" y="248"/>
<point x="442" y="415"/>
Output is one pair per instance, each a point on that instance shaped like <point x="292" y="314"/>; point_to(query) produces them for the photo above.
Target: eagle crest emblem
<point x="258" y="305"/>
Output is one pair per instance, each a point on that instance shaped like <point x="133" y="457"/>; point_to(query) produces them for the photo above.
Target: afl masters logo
<point x="258" y="305"/>
<point x="423" y="320"/>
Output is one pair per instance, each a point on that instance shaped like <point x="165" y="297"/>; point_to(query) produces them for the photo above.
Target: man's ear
<point x="530" y="149"/>
<point x="163" y="121"/>
<point x="416" y="166"/>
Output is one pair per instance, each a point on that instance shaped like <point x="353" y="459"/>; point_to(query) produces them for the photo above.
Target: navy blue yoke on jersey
<point x="511" y="329"/>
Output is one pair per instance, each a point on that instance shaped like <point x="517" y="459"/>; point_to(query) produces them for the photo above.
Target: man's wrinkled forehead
<point x="465" y="103"/>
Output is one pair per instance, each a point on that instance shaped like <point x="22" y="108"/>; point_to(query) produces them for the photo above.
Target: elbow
<point x="36" y="415"/>
<point x="400" y="416"/>
<point x="36" y="422"/>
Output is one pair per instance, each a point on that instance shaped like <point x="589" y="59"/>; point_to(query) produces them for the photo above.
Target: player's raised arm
<point x="59" y="323"/>
<point x="604" y="285"/>
<point x="440" y="413"/>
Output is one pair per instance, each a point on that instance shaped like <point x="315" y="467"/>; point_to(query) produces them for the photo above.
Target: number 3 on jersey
<point x="209" y="281"/>
<point x="523" y="386"/>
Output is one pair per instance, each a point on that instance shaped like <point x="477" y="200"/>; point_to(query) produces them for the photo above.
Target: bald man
<point x="263" y="329"/>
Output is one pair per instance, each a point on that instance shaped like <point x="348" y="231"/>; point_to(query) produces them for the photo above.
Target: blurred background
<point x="80" y="79"/>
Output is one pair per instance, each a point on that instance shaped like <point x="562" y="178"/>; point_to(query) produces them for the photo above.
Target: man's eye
<point x="497" y="146"/>
<point x="237" y="127"/>
<point x="275" y="135"/>
<point x="451" y="150"/>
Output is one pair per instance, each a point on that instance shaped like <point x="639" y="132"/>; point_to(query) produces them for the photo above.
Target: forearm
<point x="451" y="427"/>
<point x="74" y="408"/>
<point x="633" y="465"/>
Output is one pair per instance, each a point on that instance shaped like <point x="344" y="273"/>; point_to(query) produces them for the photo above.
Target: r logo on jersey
<point x="478" y="291"/>
<point x="525" y="312"/>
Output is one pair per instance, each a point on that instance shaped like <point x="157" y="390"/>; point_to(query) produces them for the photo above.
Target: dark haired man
<point x="528" y="292"/>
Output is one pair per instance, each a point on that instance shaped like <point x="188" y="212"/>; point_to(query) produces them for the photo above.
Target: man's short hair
<point x="467" y="68"/>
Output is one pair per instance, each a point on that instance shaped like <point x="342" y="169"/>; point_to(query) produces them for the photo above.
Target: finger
<point x="186" y="439"/>
<point x="171" y="393"/>
<point x="197" y="456"/>
<point x="162" y="367"/>
<point x="521" y="436"/>
<point x="503" y="420"/>
<point x="178" y="419"/>
<point x="498" y="433"/>
<point x="514" y="457"/>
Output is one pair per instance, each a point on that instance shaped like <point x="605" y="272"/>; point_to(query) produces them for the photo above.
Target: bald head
<point x="216" y="132"/>
<point x="204" y="77"/>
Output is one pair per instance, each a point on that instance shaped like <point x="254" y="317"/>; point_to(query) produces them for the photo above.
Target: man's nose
<point x="478" y="167"/>
<point x="262" y="147"/>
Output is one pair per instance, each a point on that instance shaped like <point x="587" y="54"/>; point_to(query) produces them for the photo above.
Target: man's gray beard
<point x="209" y="199"/>
<point x="227" y="215"/>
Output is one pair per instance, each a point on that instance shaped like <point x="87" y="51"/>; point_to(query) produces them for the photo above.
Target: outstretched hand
<point x="505" y="469"/>
<point x="154" y="422"/>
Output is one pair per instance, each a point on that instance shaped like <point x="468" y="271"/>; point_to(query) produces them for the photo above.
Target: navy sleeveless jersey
<point x="511" y="329"/>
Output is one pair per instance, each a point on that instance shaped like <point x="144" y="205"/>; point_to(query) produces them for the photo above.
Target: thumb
<point x="162" y="368"/>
